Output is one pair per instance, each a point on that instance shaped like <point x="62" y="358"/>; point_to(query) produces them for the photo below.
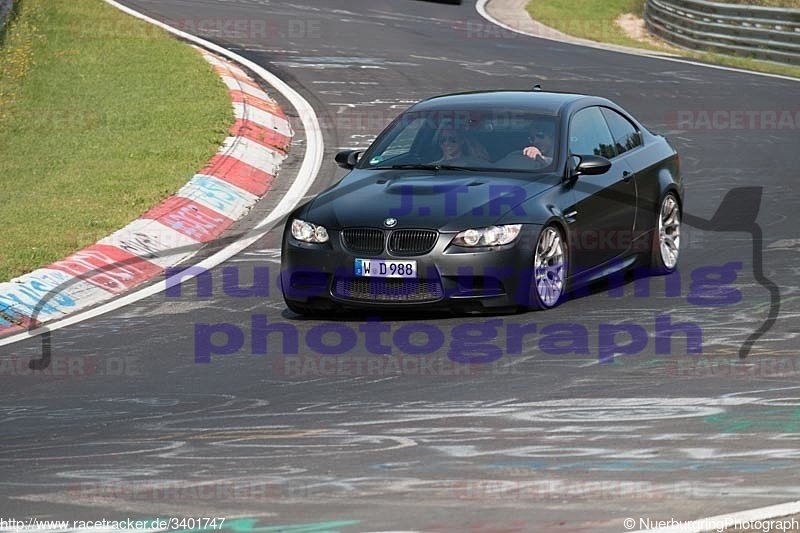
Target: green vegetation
<point x="596" y="20"/>
<point x="588" y="19"/>
<point x="101" y="117"/>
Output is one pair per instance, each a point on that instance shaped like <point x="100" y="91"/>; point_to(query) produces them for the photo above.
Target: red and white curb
<point x="222" y="192"/>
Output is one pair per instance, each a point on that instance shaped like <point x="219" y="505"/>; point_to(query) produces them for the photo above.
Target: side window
<point x="589" y="134"/>
<point x="626" y="136"/>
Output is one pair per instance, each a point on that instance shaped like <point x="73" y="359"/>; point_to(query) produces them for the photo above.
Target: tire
<point x="548" y="284"/>
<point x="666" y="239"/>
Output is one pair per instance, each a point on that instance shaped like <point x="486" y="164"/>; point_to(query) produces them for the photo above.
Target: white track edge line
<point x="480" y="7"/>
<point x="312" y="161"/>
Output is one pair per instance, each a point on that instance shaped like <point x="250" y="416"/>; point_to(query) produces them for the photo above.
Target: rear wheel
<point x="667" y="236"/>
<point x="549" y="269"/>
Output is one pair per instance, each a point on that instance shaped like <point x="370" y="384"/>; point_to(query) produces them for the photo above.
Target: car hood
<point x="443" y="200"/>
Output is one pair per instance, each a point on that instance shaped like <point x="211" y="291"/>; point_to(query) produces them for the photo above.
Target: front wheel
<point x="667" y="236"/>
<point x="549" y="269"/>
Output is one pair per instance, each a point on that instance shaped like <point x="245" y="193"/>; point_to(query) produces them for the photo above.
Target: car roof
<point x="544" y="102"/>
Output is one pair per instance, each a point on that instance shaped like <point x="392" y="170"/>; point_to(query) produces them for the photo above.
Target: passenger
<point x="459" y="147"/>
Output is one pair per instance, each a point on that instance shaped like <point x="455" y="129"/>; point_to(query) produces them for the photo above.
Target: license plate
<point x="380" y="268"/>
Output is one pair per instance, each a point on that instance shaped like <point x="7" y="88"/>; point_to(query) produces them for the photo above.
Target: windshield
<point x="503" y="140"/>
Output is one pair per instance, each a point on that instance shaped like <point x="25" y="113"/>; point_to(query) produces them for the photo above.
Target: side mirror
<point x="589" y="165"/>
<point x="348" y="158"/>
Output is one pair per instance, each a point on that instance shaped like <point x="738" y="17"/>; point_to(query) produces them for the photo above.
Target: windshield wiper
<point x="454" y="167"/>
<point x="502" y="169"/>
<point x="412" y="166"/>
<point x="417" y="166"/>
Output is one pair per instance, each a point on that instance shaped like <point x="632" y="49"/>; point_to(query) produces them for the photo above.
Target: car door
<point x="627" y="142"/>
<point x="604" y="210"/>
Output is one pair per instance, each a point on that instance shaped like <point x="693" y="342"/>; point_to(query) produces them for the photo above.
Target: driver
<point x="538" y="149"/>
<point x="541" y="139"/>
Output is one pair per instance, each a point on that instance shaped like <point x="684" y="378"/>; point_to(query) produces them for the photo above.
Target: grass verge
<point x="596" y="20"/>
<point x="588" y="19"/>
<point x="101" y="117"/>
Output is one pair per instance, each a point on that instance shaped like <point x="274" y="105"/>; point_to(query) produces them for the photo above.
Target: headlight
<point x="491" y="236"/>
<point x="308" y="232"/>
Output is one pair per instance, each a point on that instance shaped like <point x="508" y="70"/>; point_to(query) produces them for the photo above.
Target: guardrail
<point x="5" y="11"/>
<point x="768" y="33"/>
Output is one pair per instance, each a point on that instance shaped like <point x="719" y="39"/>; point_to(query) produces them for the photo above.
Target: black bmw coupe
<point x="487" y="202"/>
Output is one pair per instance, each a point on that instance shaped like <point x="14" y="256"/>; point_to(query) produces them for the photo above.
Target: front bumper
<point x="322" y="276"/>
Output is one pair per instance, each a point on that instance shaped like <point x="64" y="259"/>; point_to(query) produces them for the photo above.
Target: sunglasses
<point x="449" y="139"/>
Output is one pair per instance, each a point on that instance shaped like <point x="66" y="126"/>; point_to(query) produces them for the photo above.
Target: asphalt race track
<point x="154" y="421"/>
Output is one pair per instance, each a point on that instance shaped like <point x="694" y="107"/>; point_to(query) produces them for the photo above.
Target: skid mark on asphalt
<point x="591" y="450"/>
